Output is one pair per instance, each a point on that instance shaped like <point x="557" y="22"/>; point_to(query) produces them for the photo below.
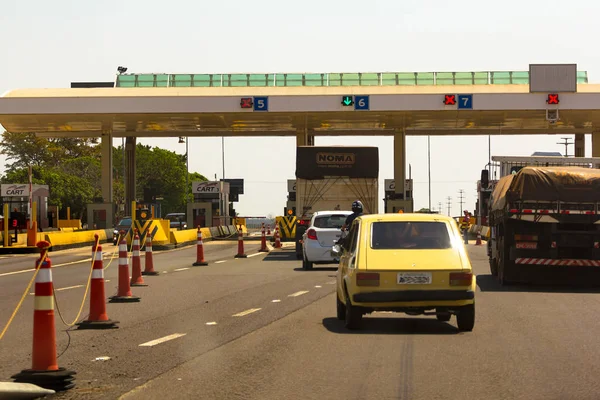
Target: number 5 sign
<point x="261" y="104"/>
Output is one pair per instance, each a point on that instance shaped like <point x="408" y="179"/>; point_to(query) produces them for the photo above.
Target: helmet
<point x="357" y="206"/>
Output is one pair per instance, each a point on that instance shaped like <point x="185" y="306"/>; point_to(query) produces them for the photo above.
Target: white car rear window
<point x="333" y="221"/>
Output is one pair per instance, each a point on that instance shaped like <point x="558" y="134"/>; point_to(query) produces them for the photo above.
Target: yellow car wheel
<point x="341" y="308"/>
<point x="353" y="315"/>
<point x="466" y="318"/>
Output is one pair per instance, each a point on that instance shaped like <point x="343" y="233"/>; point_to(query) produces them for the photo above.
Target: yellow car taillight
<point x="367" y="279"/>
<point x="461" y="278"/>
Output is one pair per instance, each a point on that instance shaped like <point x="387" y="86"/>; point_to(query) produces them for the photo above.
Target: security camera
<point x="552" y="116"/>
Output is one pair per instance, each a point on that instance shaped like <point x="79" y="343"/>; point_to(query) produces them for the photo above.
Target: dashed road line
<point x="17" y="272"/>
<point x="330" y="283"/>
<point x="69" y="287"/>
<point x="254" y="255"/>
<point x="220" y="261"/>
<point x="276" y="301"/>
<point x="181" y="269"/>
<point x="318" y="286"/>
<point x="300" y="293"/>
<point x="211" y="323"/>
<point x="243" y="313"/>
<point x="162" y="340"/>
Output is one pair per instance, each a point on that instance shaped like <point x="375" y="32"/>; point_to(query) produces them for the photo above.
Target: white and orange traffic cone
<point x="148" y="259"/>
<point x="277" y="239"/>
<point x="124" y="291"/>
<point x="478" y="241"/>
<point x="269" y="230"/>
<point x="98" y="319"/>
<point x="136" y="263"/>
<point x="199" y="250"/>
<point x="263" y="241"/>
<point x="44" y="371"/>
<point x="240" y="253"/>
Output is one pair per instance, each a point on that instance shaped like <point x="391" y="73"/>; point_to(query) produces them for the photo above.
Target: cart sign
<point x="206" y="187"/>
<point x="8" y="190"/>
<point x="390" y="185"/>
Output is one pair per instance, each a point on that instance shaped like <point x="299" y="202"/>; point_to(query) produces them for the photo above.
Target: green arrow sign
<point x="347" y="101"/>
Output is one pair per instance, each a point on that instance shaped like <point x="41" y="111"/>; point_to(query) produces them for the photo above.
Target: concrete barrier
<point x="63" y="240"/>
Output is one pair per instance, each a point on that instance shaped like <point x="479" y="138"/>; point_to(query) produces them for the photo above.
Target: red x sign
<point x="552" y="99"/>
<point x="450" y="99"/>
<point x="246" y="102"/>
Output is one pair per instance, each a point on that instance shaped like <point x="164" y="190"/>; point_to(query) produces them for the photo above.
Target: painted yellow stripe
<point x="44" y="303"/>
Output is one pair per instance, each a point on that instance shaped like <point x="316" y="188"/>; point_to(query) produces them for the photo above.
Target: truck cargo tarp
<point x="565" y="184"/>
<point x="314" y="162"/>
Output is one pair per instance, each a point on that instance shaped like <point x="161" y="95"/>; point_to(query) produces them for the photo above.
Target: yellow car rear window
<point x="410" y="235"/>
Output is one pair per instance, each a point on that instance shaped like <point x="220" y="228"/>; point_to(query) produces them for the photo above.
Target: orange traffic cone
<point x="277" y="239"/>
<point x="240" y="253"/>
<point x="45" y="371"/>
<point x="199" y="250"/>
<point x="124" y="292"/>
<point x="269" y="229"/>
<point x="263" y="241"/>
<point x="149" y="261"/>
<point x="136" y="263"/>
<point x="478" y="242"/>
<point x="98" y="319"/>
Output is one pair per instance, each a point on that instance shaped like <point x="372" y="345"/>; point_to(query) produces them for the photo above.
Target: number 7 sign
<point x="465" y="101"/>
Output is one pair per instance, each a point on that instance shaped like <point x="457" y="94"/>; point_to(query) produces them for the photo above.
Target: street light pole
<point x="187" y="170"/>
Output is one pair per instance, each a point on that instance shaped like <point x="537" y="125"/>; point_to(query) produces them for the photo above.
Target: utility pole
<point x="440" y="207"/>
<point x="461" y="201"/>
<point x="449" y="205"/>
<point x="566" y="144"/>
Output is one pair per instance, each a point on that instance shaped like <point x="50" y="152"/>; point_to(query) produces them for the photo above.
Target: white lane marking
<point x="219" y="262"/>
<point x="17" y="272"/>
<point x="107" y="280"/>
<point x="330" y="283"/>
<point x="250" y="311"/>
<point x="181" y="269"/>
<point x="165" y="272"/>
<point x="211" y="323"/>
<point x="69" y="287"/>
<point x="276" y="301"/>
<point x="300" y="293"/>
<point x="162" y="340"/>
<point x="317" y="286"/>
<point x="254" y="255"/>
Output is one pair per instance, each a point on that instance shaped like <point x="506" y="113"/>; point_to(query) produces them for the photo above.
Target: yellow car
<point x="411" y="263"/>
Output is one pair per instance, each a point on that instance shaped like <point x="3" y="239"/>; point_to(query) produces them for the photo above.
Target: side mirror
<point x="336" y="251"/>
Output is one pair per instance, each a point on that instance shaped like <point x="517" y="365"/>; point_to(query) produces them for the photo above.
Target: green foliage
<point x="72" y="170"/>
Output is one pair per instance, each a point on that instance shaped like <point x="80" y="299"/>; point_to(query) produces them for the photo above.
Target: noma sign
<point x="335" y="158"/>
<point x="14" y="190"/>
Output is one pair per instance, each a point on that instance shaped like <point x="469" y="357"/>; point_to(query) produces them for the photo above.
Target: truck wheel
<point x="494" y="267"/>
<point x="466" y="318"/>
<point x="353" y="315"/>
<point x="341" y="308"/>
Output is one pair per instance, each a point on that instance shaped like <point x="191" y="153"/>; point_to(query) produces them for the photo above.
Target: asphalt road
<point x="262" y="328"/>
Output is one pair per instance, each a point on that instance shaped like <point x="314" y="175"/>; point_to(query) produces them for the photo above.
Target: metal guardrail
<point x="331" y="79"/>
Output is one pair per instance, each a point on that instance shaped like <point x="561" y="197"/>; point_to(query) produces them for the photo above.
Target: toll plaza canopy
<point x="280" y="104"/>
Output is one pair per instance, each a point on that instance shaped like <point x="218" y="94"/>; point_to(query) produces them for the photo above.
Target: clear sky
<point x="52" y="43"/>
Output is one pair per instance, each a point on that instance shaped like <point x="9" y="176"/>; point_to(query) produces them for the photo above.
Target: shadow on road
<point x="281" y="256"/>
<point x="393" y="326"/>
<point x="488" y="283"/>
<point x="318" y="268"/>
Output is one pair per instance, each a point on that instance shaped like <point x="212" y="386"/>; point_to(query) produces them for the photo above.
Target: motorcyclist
<point x="357" y="211"/>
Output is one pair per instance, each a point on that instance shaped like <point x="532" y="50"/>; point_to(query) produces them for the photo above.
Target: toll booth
<point x="396" y="202"/>
<point x="17" y="198"/>
<point x="211" y="204"/>
<point x="291" y="198"/>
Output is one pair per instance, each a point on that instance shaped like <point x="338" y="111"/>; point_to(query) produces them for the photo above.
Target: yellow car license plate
<point x="414" y="278"/>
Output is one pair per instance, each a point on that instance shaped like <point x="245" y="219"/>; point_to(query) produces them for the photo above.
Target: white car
<point x="322" y="233"/>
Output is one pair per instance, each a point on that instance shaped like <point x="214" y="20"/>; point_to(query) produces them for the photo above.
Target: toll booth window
<point x="410" y="235"/>
<point x="330" y="221"/>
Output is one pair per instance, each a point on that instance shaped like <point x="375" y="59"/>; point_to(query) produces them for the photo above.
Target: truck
<point x="545" y="226"/>
<point x="331" y="178"/>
